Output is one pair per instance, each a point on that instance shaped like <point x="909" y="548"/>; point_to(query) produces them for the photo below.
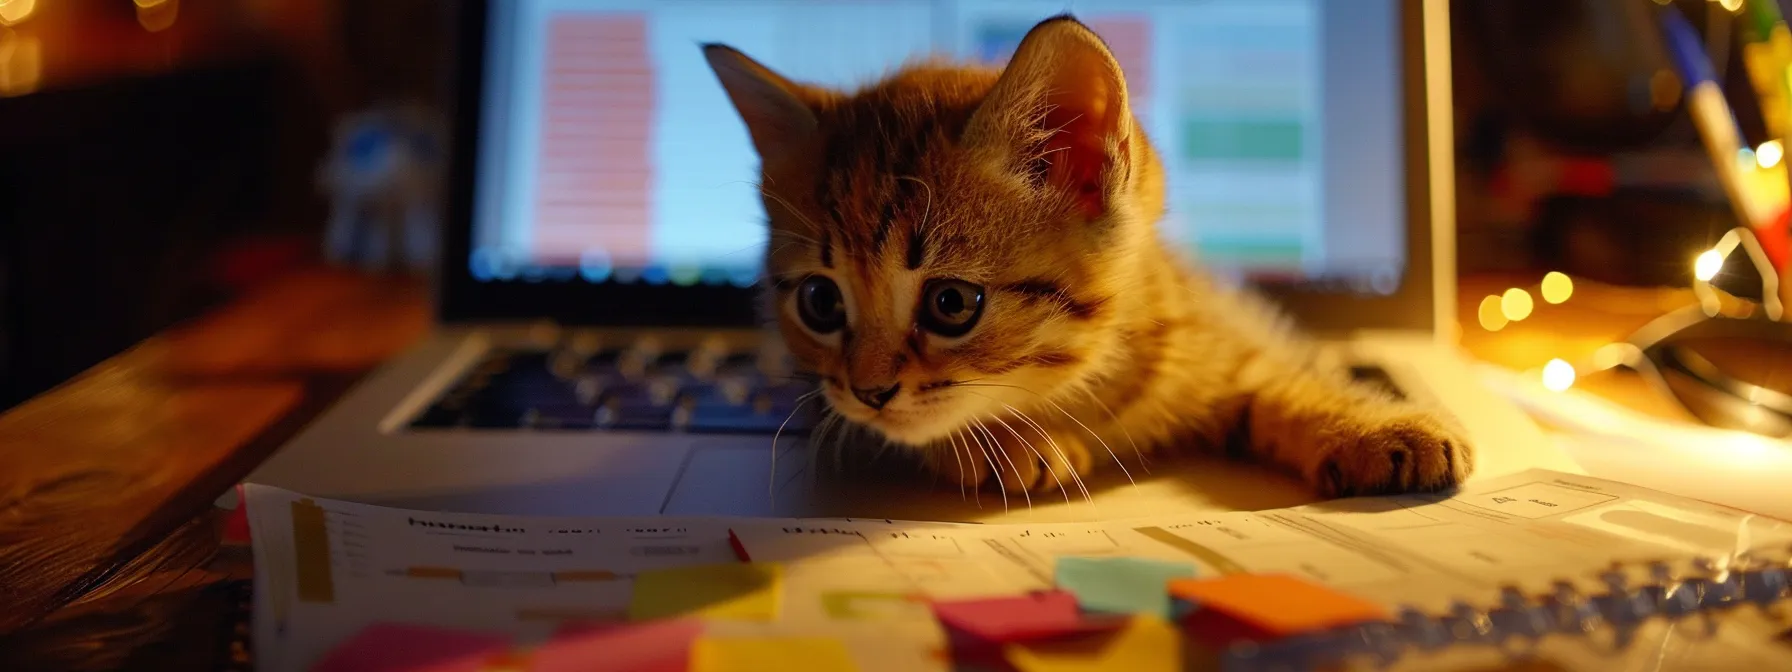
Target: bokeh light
<point x="1707" y="265"/>
<point x="1557" y="287"/>
<point x="1516" y="304"/>
<point x="1491" y="317"/>
<point x="1558" y="375"/>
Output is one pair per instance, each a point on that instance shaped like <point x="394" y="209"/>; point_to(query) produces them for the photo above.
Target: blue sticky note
<point x="1121" y="585"/>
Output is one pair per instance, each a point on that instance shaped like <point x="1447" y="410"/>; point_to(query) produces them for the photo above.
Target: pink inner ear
<point x="1077" y="161"/>
<point x="1085" y="117"/>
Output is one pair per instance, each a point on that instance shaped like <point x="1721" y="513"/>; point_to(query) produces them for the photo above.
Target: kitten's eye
<point x="951" y="307"/>
<point x="818" y="302"/>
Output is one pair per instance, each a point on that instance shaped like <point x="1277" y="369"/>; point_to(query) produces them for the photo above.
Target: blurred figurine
<point x="384" y="177"/>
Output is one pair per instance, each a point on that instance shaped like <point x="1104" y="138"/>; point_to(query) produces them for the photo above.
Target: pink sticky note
<point x="1012" y="619"/>
<point x="654" y="646"/>
<point x="396" y="647"/>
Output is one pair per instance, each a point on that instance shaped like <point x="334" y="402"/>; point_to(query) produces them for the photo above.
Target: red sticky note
<point x="655" y="646"/>
<point x="1011" y="619"/>
<point x="1268" y="606"/>
<point x="396" y="647"/>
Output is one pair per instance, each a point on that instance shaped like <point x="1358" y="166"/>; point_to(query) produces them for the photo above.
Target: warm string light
<point x="1706" y="266"/>
<point x="1515" y="304"/>
<point x="1558" y="375"/>
<point x="1769" y="154"/>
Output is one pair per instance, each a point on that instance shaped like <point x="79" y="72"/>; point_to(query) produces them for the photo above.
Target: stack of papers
<point x="343" y="586"/>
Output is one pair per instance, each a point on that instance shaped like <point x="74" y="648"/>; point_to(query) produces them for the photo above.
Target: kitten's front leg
<point x="1345" y="439"/>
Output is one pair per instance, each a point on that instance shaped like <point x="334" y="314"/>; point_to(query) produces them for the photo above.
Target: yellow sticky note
<point x="734" y="591"/>
<point x="1148" y="643"/>
<point x="770" y="654"/>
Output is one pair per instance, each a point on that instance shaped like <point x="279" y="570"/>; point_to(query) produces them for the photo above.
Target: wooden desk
<point x="110" y="549"/>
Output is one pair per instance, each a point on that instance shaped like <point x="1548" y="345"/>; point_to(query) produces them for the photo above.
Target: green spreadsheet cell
<point x="1251" y="140"/>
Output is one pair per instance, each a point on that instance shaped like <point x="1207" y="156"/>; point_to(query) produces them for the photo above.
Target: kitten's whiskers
<point x="1079" y="423"/>
<point x="1054" y="446"/>
<point x="1143" y="463"/>
<point x="928" y="211"/>
<point x="993" y="469"/>
<point x="787" y="206"/>
<point x="1046" y="464"/>
<point x="996" y="445"/>
<point x="957" y="460"/>
<point x="976" y="492"/>
<point x="772" y="487"/>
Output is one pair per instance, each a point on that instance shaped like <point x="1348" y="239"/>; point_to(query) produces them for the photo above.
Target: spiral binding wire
<point x="1519" y="621"/>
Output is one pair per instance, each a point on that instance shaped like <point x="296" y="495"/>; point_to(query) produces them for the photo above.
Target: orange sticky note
<point x="733" y="591"/>
<point x="1260" y="606"/>
<point x="1148" y="643"/>
<point x="771" y="654"/>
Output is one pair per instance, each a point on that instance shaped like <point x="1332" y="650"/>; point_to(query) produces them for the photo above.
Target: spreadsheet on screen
<point x="609" y="152"/>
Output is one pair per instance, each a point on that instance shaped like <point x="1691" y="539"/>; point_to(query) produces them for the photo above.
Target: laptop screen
<point x="610" y="154"/>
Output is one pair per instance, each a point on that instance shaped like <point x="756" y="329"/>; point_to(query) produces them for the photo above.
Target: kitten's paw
<point x="959" y="466"/>
<point x="1027" y="460"/>
<point x="1412" y="452"/>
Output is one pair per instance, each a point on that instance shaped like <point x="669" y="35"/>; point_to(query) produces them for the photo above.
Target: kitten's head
<point x="951" y="243"/>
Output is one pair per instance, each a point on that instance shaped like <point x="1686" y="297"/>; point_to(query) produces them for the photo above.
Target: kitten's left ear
<point x="1060" y="105"/>
<point x="778" y="117"/>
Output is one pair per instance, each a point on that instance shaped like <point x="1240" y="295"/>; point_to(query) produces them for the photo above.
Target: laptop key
<point x="634" y="416"/>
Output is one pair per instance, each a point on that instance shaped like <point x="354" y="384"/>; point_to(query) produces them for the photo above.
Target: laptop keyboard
<point x="706" y="390"/>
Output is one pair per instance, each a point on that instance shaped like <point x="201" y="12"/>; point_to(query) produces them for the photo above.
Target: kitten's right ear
<point x="777" y="117"/>
<point x="1060" y="105"/>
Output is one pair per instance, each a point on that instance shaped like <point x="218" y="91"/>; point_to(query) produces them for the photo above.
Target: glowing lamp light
<point x="14" y="11"/>
<point x="1707" y="265"/>
<point x="1557" y="287"/>
<point x="1491" y="317"/>
<point x="1558" y="375"/>
<point x="1516" y="304"/>
<point x="1769" y="154"/>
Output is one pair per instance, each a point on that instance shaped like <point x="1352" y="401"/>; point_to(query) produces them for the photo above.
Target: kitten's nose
<point x="877" y="398"/>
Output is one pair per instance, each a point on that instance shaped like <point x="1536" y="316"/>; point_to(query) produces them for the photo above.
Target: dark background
<point x="153" y="165"/>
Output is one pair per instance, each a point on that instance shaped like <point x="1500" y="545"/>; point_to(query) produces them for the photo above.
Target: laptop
<point x="598" y="351"/>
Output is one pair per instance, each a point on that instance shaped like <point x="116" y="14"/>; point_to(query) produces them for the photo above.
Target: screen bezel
<point x="463" y="299"/>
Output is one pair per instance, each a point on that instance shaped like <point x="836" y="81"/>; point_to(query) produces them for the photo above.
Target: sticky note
<point x="849" y="605"/>
<point x="1146" y="644"/>
<point x="1121" y="585"/>
<point x="1008" y="619"/>
<point x="657" y="646"/>
<point x="395" y="647"/>
<point x="733" y="591"/>
<point x="771" y="654"/>
<point x="1267" y="606"/>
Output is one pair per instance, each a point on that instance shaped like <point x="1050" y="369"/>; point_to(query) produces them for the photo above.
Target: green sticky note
<point x="1121" y="585"/>
<point x="734" y="591"/>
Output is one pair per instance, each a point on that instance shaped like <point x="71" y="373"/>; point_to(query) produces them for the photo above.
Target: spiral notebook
<point x="1554" y="570"/>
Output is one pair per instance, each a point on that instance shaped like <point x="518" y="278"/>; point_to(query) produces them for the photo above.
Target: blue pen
<point x="1711" y="114"/>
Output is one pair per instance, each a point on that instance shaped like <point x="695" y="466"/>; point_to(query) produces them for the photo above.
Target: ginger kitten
<point x="968" y="259"/>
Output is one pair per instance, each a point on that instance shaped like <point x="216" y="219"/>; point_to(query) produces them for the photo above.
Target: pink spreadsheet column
<point x="594" y="190"/>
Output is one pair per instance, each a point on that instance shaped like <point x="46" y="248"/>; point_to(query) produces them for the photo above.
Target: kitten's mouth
<point x="907" y="423"/>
